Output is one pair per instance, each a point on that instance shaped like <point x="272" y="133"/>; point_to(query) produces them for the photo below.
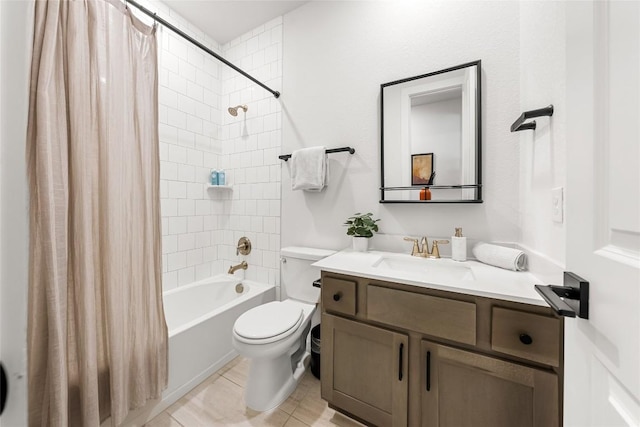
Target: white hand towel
<point x="309" y="169"/>
<point x="500" y="256"/>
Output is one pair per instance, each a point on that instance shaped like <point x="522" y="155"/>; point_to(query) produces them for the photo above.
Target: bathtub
<point x="200" y="319"/>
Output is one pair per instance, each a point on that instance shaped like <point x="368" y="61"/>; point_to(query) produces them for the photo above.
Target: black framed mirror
<point x="430" y="137"/>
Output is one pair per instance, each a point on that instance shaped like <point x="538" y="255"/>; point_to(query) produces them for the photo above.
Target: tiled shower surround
<point x="202" y="225"/>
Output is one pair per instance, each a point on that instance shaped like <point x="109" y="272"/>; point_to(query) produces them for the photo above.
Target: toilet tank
<point x="297" y="274"/>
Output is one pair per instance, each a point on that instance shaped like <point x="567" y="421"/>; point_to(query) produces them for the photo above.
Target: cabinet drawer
<point x="530" y="336"/>
<point x="339" y="296"/>
<point x="439" y="317"/>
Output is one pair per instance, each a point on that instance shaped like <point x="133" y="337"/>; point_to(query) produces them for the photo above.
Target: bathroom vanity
<point x="476" y="347"/>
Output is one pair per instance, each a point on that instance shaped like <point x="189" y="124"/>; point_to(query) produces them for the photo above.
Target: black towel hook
<point x="519" y="124"/>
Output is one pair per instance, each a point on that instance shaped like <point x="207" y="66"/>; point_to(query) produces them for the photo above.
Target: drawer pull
<point x="400" y="362"/>
<point x="526" y="339"/>
<point x="337" y="296"/>
<point x="428" y="371"/>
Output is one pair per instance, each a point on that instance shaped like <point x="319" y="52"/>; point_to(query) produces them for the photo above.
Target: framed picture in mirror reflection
<point x="422" y="169"/>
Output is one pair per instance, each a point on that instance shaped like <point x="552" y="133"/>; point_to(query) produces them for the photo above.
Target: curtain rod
<point x="200" y="45"/>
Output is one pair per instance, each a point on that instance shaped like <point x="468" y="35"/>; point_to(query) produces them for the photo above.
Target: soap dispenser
<point x="458" y="246"/>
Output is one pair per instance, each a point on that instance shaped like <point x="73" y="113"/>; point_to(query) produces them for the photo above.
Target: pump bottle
<point x="458" y="246"/>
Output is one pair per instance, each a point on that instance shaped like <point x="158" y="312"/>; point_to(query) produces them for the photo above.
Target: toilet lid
<point x="268" y="320"/>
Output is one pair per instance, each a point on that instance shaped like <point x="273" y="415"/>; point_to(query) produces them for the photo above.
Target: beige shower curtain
<point x="97" y="338"/>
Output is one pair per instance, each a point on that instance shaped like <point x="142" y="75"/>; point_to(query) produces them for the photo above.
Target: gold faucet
<point x="242" y="266"/>
<point x="425" y="252"/>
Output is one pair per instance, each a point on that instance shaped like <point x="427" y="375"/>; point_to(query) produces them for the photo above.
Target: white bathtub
<point x="200" y="319"/>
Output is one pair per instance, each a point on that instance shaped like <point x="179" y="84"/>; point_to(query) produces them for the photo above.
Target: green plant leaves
<point x="361" y="225"/>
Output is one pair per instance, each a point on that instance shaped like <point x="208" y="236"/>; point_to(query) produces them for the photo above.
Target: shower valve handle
<point x="244" y="246"/>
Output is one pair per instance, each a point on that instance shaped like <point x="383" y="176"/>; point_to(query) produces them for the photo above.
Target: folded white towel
<point x="309" y="169"/>
<point x="500" y="256"/>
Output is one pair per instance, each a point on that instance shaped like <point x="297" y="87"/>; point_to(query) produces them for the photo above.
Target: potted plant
<point x="361" y="228"/>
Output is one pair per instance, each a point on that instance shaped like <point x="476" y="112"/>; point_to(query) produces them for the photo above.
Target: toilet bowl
<point x="274" y="335"/>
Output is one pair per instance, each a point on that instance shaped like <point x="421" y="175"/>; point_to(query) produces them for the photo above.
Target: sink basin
<point x="428" y="269"/>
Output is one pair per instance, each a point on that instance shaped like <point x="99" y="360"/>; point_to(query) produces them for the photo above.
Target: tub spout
<point x="243" y="265"/>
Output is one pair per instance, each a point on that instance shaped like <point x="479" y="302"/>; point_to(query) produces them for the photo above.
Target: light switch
<point x="557" y="205"/>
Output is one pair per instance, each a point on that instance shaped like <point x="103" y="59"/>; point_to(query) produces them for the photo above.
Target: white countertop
<point x="484" y="280"/>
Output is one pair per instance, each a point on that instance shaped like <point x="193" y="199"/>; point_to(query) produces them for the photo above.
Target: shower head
<point x="234" y="110"/>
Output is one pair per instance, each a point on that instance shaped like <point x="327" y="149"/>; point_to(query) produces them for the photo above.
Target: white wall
<point x="336" y="55"/>
<point x="543" y="154"/>
<point x="16" y="24"/>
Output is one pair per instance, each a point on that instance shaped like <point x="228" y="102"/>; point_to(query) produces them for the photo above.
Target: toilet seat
<point x="268" y="323"/>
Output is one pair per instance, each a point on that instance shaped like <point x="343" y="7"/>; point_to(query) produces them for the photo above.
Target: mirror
<point x="430" y="137"/>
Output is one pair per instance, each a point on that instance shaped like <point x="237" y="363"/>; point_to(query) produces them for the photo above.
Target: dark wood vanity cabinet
<point x="397" y="355"/>
<point x="462" y="388"/>
<point x="369" y="370"/>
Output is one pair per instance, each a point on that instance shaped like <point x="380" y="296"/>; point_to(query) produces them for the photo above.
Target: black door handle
<point x="570" y="300"/>
<point x="3" y="388"/>
<point x="428" y="371"/>
<point x="337" y="296"/>
<point x="400" y="362"/>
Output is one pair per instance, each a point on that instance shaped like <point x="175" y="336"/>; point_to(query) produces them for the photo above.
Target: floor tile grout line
<point x="179" y="423"/>
<point x="287" y="420"/>
<point x="299" y="420"/>
<point x="231" y="380"/>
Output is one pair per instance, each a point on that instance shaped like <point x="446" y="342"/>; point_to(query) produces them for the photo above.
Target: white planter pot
<point x="360" y="244"/>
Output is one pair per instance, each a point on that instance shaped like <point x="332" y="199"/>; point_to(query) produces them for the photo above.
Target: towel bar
<point x="286" y="157"/>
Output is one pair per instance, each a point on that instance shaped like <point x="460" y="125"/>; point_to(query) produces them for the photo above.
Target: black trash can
<point x="315" y="351"/>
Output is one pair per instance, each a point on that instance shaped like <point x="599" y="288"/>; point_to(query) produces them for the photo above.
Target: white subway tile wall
<point x="250" y="149"/>
<point x="202" y="225"/>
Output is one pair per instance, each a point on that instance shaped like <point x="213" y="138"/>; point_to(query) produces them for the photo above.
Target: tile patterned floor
<point x="219" y="401"/>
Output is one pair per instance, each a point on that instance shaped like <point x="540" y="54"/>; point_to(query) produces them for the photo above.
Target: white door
<point x="602" y="354"/>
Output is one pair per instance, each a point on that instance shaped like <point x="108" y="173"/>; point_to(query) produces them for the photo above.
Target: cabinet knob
<point x="526" y="339"/>
<point x="337" y="296"/>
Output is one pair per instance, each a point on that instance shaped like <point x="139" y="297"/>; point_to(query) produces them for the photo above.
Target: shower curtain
<point x="97" y="338"/>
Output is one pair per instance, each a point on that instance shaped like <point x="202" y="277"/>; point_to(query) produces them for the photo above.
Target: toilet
<point x="274" y="335"/>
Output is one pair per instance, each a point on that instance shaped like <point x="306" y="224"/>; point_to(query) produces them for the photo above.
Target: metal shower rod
<point x="200" y="45"/>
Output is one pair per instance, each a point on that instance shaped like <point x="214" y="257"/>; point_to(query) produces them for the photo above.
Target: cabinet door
<point x="460" y="388"/>
<point x="364" y="370"/>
